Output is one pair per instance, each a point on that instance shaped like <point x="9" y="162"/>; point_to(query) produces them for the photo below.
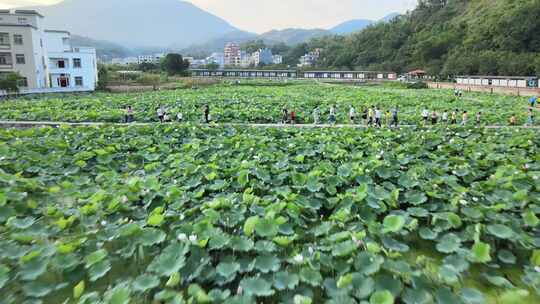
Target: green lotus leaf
<point x="344" y="170"/>
<point x="151" y="236"/>
<point x="344" y="248"/>
<point x="299" y="179"/>
<point x="498" y="281"/>
<point x="285" y="280"/>
<point x="448" y="243"/>
<point x="300" y="299"/>
<point x="31" y="270"/>
<point x="506" y="256"/>
<point x="500" y="231"/>
<point x="310" y="276"/>
<point x="228" y="270"/>
<point x="480" y="252"/>
<point x="257" y="287"/>
<point x="266" y="228"/>
<point x="417" y="296"/>
<point x="530" y="219"/>
<point x="267" y="263"/>
<point x="241" y="244"/>
<point x="37" y="289"/>
<point x="472" y="296"/>
<point x="156" y="219"/>
<point x="382" y="297"/>
<point x="170" y="261"/>
<point x="99" y="270"/>
<point x="427" y="234"/>
<point x="145" y="282"/>
<point x="78" y="290"/>
<point x="446" y="296"/>
<point x="249" y="225"/>
<point x="415" y="198"/>
<point x="368" y="263"/>
<point x="129" y="229"/>
<point x="4" y="275"/>
<point x="344" y="281"/>
<point x="393" y="223"/>
<point x="21" y="223"/>
<point x="118" y="295"/>
<point x="535" y="258"/>
<point x="448" y="274"/>
<point x="363" y="287"/>
<point x="513" y="296"/>
<point x="243" y="178"/>
<point x="95" y="257"/>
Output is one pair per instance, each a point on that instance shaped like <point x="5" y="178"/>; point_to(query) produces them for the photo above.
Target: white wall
<point x="88" y="69"/>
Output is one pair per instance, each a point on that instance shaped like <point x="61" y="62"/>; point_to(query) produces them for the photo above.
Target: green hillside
<point x="446" y="37"/>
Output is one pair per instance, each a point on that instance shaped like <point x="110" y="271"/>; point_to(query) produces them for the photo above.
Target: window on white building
<point x="79" y="81"/>
<point x="65" y="41"/>
<point x="5" y="59"/>
<point x="4" y="39"/>
<point x="22" y="82"/>
<point x="76" y="62"/>
<point x="19" y="59"/>
<point x="18" y="39"/>
<point x="61" y="64"/>
<point x="23" y="20"/>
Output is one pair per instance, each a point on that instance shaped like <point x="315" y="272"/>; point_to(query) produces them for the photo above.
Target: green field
<point x="252" y="103"/>
<point x="184" y="213"/>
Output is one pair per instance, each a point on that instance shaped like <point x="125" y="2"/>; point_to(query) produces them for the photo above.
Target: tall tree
<point x="174" y="64"/>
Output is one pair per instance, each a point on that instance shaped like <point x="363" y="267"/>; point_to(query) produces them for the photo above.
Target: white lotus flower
<point x="124" y="199"/>
<point x="239" y="290"/>
<point x="299" y="258"/>
<point x="535" y="177"/>
<point x="182" y="217"/>
<point x="182" y="237"/>
<point x="103" y="223"/>
<point x="475" y="199"/>
<point x="310" y="250"/>
<point x="526" y="166"/>
<point x="193" y="238"/>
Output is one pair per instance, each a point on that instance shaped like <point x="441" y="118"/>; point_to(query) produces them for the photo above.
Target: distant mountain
<point x="357" y="25"/>
<point x="136" y="23"/>
<point x="216" y="44"/>
<point x="390" y="17"/>
<point x="351" y="26"/>
<point x="105" y="50"/>
<point x="287" y="36"/>
<point x="293" y="35"/>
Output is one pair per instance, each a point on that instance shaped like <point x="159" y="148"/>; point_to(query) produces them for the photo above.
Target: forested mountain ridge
<point x="446" y="37"/>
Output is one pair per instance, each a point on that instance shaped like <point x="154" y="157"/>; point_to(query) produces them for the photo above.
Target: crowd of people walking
<point x="371" y="116"/>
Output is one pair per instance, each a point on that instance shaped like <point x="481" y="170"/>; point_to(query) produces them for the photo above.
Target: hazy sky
<point x="263" y="15"/>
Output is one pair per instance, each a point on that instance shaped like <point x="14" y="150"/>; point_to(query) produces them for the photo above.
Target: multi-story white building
<point x="216" y="58"/>
<point x="44" y="58"/>
<point x="277" y="59"/>
<point x="232" y="54"/>
<point x="310" y="58"/>
<point x="154" y="58"/>
<point x="262" y="56"/>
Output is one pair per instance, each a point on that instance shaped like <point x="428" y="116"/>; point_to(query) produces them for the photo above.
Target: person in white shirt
<point x="425" y="116"/>
<point x="160" y="113"/>
<point x="378" y="115"/>
<point x="352" y="114"/>
<point x="332" y="116"/>
<point x="316" y="115"/>
<point x="445" y="117"/>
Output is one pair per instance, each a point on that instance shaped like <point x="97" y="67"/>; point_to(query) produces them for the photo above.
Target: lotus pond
<point x="260" y="103"/>
<point x="184" y="214"/>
